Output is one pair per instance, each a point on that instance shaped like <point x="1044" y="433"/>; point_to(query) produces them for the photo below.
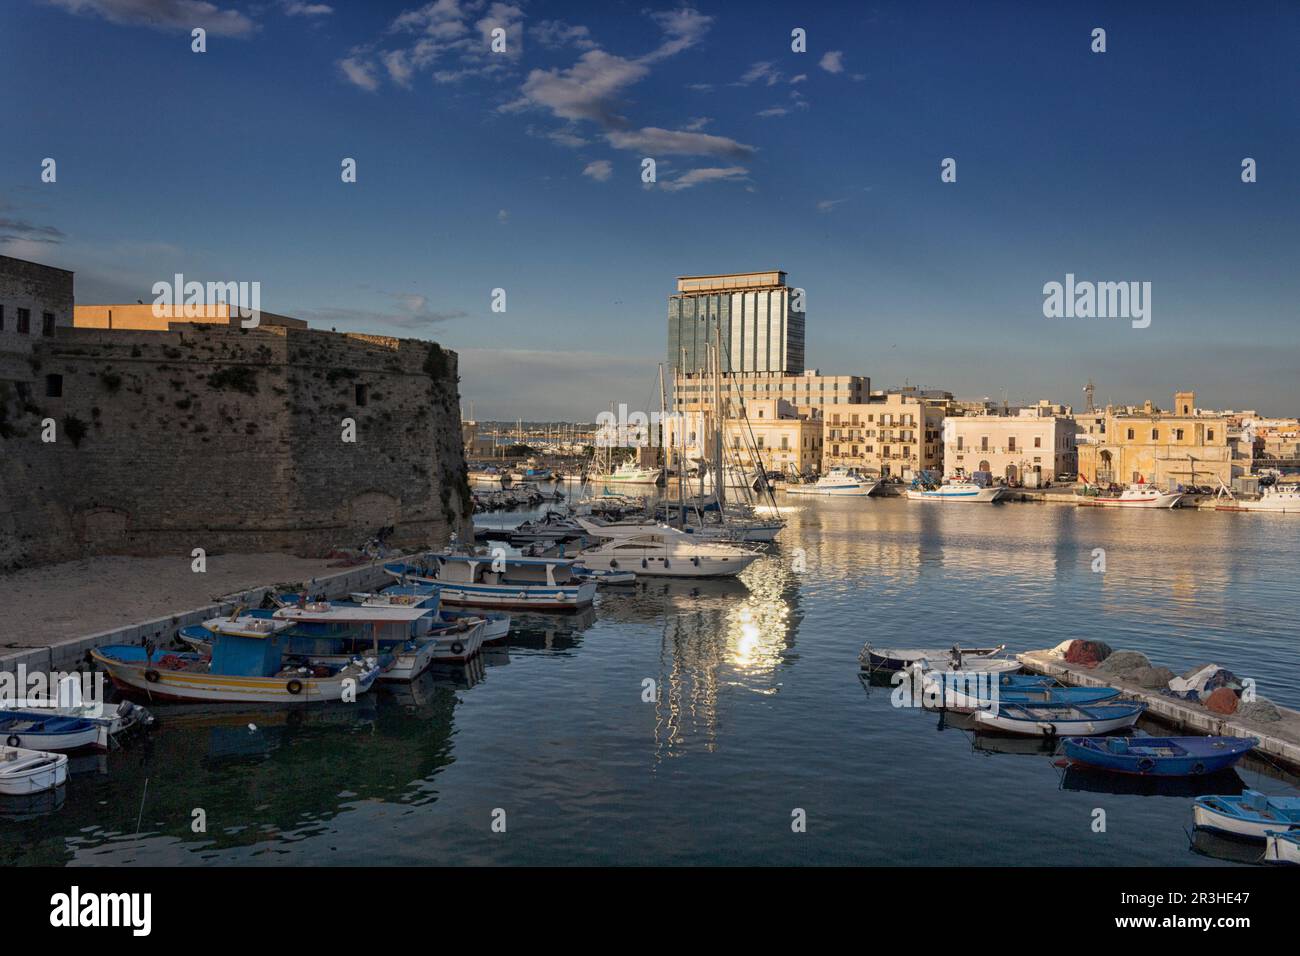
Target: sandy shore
<point x="79" y="598"/>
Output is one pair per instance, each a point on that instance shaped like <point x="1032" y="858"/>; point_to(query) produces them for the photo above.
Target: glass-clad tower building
<point x="756" y="313"/>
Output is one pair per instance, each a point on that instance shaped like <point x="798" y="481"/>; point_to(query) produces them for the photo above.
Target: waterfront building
<point x="775" y="437"/>
<point x="1035" y="444"/>
<point x="893" y="434"/>
<point x="35" y="300"/>
<point x="807" y="391"/>
<point x="1186" y="446"/>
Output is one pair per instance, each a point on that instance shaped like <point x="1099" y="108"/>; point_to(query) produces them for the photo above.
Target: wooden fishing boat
<point x="1059" y="720"/>
<point x="248" y="664"/>
<point x="25" y="771"/>
<point x="49" y="731"/>
<point x="1158" y="756"/>
<point x="978" y="691"/>
<point x="1282" y="847"/>
<point x="896" y="659"/>
<point x="1251" y="814"/>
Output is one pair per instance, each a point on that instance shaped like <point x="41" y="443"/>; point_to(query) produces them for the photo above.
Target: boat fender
<point x="14" y="740"/>
<point x="666" y="564"/>
<point x="696" y="560"/>
<point x="294" y="687"/>
<point x="1048" y="729"/>
<point x="1198" y="767"/>
<point x="645" y="563"/>
<point x="1145" y="764"/>
<point x="457" y="647"/>
<point x="151" y="676"/>
<point x="613" y="563"/>
<point x="523" y="595"/>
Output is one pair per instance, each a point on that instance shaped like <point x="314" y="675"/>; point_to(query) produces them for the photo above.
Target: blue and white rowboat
<point x="1282" y="847"/>
<point x="1250" y="814"/>
<point x="1059" y="720"/>
<point x="50" y="732"/>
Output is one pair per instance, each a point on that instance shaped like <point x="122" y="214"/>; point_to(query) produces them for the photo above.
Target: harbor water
<point x="761" y="742"/>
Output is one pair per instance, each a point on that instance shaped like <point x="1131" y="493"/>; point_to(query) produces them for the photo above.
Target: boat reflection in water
<point x="1089" y="780"/>
<point x="30" y="806"/>
<point x="550" y="632"/>
<point x="1225" y="848"/>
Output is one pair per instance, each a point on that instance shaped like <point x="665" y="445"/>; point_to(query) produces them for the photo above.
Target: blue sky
<point x="522" y="171"/>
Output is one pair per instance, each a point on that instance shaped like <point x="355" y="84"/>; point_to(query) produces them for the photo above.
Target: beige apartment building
<point x="1185" y="446"/>
<point x="811" y="390"/>
<point x="895" y="434"/>
<point x="1036" y="444"/>
<point x="778" y="435"/>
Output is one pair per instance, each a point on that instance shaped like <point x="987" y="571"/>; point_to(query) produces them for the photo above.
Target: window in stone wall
<point x="54" y="386"/>
<point x="362" y="394"/>
<point x="47" y="323"/>
<point x="24" y="321"/>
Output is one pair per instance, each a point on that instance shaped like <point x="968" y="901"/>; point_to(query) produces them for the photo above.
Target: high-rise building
<point x="760" y="320"/>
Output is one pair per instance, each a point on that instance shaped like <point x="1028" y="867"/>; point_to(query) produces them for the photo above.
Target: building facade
<point x="895" y="434"/>
<point x="756" y="319"/>
<point x="35" y="300"/>
<point x="775" y="438"/>
<point x="1034" y="445"/>
<point x="1184" y="447"/>
<point x="809" y="392"/>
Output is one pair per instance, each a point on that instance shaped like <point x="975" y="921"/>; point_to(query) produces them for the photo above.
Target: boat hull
<point x="1227" y="815"/>
<point x="657" y="566"/>
<point x="896" y="660"/>
<point x="1069" y="721"/>
<point x="1282" y="848"/>
<point x="1140" y="759"/>
<point x="155" y="683"/>
<point x="983" y="495"/>
<point x="1098" y="501"/>
<point x="93" y="736"/>
<point x="956" y="698"/>
<point x="856" y="489"/>
<point x="24" y="771"/>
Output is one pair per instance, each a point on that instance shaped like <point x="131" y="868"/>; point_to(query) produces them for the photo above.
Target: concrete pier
<point x="1279" y="740"/>
<point x="52" y="639"/>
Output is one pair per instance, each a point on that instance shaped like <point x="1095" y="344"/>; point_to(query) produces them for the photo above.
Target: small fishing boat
<point x="1251" y="814"/>
<point x="1140" y="495"/>
<point x="1158" y="756"/>
<point x="404" y="626"/>
<point x="957" y="491"/>
<point x="1282" y="847"/>
<point x="605" y="576"/>
<point x="47" y="731"/>
<point x="977" y="691"/>
<point x="1284" y="500"/>
<point x="836" y="483"/>
<point x="248" y="664"/>
<point x="24" y="771"/>
<point x="486" y="580"/>
<point x="122" y="718"/>
<point x="496" y="627"/>
<point x="896" y="659"/>
<point x="488" y="478"/>
<point x="1059" y="720"/>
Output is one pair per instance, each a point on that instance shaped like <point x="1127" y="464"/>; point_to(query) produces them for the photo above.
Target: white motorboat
<point x="662" y="551"/>
<point x="1271" y="499"/>
<point x="837" y="483"/>
<point x="117" y="719"/>
<point x="492" y="581"/>
<point x="24" y="771"/>
<point x="1140" y="495"/>
<point x="958" y="491"/>
<point x="631" y="474"/>
<point x="488" y="478"/>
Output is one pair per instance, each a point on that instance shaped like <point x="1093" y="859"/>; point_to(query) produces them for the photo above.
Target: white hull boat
<point x="631" y="475"/>
<point x="661" y="551"/>
<point x="1250" y="814"/>
<point x="1134" y="496"/>
<point x="1282" y="847"/>
<point x="896" y="658"/>
<point x="28" y="730"/>
<point x="958" y="491"/>
<point x="837" y="483"/>
<point x="1272" y="500"/>
<point x="24" y="771"/>
<point x="487" y="581"/>
<point x="1059" y="720"/>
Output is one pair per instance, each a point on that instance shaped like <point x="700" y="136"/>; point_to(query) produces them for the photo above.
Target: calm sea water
<point x="761" y="711"/>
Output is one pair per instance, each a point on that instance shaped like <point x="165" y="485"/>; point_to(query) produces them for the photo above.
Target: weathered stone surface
<point x="222" y="438"/>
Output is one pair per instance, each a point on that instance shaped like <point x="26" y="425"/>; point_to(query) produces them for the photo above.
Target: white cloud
<point x="773" y="111"/>
<point x="698" y="123"/>
<point x="833" y="62"/>
<point x="360" y="73"/>
<point x="763" y="70"/>
<point x="600" y="170"/>
<point x="294" y="8"/>
<point x="183" y="15"/>
<point x="827" y="205"/>
<point x="585" y="91"/>
<point x="707" y="175"/>
<point x="399" y="67"/>
<point x="503" y="215"/>
<point x="653" y="141"/>
<point x="556" y="33"/>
